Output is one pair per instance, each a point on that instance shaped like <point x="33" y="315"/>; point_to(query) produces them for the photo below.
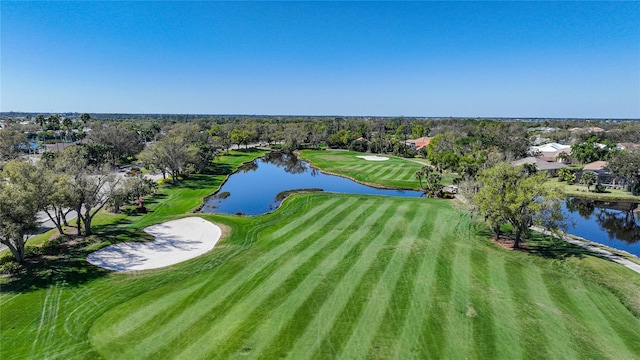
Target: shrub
<point x="9" y="267"/>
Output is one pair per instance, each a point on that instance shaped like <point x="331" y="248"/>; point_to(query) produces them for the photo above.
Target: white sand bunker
<point x="175" y="241"/>
<point x="373" y="157"/>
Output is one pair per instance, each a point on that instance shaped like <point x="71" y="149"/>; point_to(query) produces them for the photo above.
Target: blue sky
<point x="504" y="59"/>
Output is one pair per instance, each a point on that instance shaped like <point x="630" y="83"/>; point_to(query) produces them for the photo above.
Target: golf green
<point x="395" y="172"/>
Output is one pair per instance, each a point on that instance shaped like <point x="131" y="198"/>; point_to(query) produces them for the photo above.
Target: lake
<point x="259" y="187"/>
<point x="615" y="224"/>
<point x="254" y="188"/>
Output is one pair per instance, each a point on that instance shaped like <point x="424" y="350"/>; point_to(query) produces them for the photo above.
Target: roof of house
<point x="596" y="165"/>
<point x="551" y="147"/>
<point x="540" y="164"/>
<point x="420" y="142"/>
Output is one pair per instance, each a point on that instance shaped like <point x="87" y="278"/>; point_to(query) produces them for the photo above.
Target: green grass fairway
<point x="367" y="277"/>
<point x="326" y="276"/>
<point x="395" y="172"/>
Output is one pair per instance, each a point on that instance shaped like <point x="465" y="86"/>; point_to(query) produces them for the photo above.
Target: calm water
<point x="615" y="224"/>
<point x="254" y="188"/>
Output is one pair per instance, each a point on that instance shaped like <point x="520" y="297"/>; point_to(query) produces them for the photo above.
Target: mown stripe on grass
<point x="558" y="336"/>
<point x="459" y="338"/>
<point x="147" y="313"/>
<point x="272" y="323"/>
<point x="528" y="317"/>
<point x="48" y="319"/>
<point x="393" y="173"/>
<point x="481" y="310"/>
<point x="359" y="342"/>
<point x="212" y="333"/>
<point x="405" y="176"/>
<point x="584" y="337"/>
<point x="395" y="319"/>
<point x="411" y="339"/>
<point x="310" y="215"/>
<point x="384" y="171"/>
<point x="141" y="329"/>
<point x="311" y="307"/>
<point x="626" y="328"/>
<point x="437" y="319"/>
<point x="308" y="341"/>
<point x="347" y="318"/>
<point x="505" y="321"/>
<point x="185" y="315"/>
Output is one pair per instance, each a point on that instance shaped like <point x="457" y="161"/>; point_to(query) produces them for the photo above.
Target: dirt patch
<point x="506" y="242"/>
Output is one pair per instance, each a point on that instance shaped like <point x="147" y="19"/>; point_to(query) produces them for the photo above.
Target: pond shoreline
<point x="206" y="198"/>
<point x="281" y="172"/>
<point x="377" y="186"/>
<point x="598" y="249"/>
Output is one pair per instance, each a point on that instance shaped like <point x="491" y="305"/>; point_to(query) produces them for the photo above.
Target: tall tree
<point x="85" y="118"/>
<point x="511" y="195"/>
<point x="19" y="205"/>
<point x="442" y="151"/>
<point x="10" y="144"/>
<point x="626" y="165"/>
<point x="116" y="143"/>
<point x="588" y="151"/>
<point x="172" y="154"/>
<point x="90" y="187"/>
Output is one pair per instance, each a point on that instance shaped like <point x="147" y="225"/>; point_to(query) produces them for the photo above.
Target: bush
<point x="359" y="145"/>
<point x="52" y="245"/>
<point x="9" y="267"/>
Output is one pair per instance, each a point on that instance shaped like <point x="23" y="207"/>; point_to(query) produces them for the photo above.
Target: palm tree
<point x="67" y="123"/>
<point x="563" y="157"/>
<point x="85" y="118"/>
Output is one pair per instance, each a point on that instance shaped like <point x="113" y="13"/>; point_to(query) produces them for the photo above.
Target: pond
<point x="615" y="224"/>
<point x="259" y="186"/>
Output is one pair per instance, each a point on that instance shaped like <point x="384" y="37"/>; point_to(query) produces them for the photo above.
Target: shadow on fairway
<point x="542" y="245"/>
<point x="66" y="263"/>
<point x="556" y="249"/>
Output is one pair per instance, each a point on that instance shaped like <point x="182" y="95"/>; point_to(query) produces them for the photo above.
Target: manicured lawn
<point x="330" y="276"/>
<point x="578" y="190"/>
<point x="395" y="172"/>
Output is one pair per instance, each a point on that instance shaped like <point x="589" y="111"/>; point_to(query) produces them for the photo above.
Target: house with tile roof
<point x="417" y="144"/>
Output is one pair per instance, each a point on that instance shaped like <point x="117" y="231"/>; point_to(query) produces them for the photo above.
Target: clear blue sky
<point x="505" y="59"/>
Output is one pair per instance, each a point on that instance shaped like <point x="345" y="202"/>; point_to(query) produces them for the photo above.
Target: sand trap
<point x="373" y="157"/>
<point x="175" y="241"/>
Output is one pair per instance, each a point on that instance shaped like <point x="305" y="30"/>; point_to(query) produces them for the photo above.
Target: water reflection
<point x="615" y="224"/>
<point x="257" y="187"/>
<point x="289" y="162"/>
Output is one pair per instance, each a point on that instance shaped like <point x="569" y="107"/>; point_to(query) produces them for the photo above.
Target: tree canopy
<point x="509" y="194"/>
<point x="20" y="202"/>
<point x="626" y="165"/>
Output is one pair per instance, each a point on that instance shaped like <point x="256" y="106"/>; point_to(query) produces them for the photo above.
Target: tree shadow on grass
<point x="65" y="262"/>
<point x="553" y="248"/>
<point x="538" y="244"/>
<point x="220" y="169"/>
